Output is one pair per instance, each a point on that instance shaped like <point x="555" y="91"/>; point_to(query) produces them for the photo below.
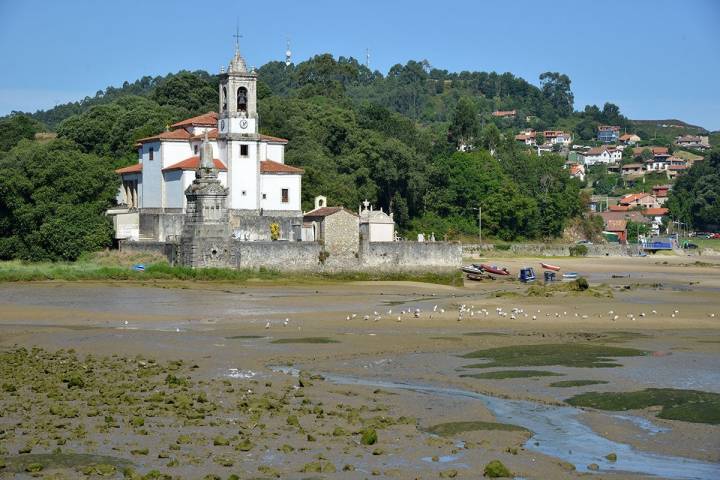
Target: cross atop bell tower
<point x="238" y="96"/>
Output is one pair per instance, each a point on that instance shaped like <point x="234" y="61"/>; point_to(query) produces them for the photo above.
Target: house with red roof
<point x="250" y="165"/>
<point x="642" y="200"/>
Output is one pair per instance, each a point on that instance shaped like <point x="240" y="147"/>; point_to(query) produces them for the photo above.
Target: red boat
<point x="494" y="269"/>
<point x="547" y="266"/>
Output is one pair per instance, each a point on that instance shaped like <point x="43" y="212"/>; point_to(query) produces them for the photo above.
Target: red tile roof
<point x="137" y="168"/>
<point x="323" y="212"/>
<point x="179" y="134"/>
<point x="619" y="208"/>
<point x="615" y="225"/>
<point x="271" y="139"/>
<point x="193" y="163"/>
<point x="632" y="197"/>
<point x="268" y="166"/>
<point x="503" y="113"/>
<point x="205" y="120"/>
<point x="655" y="212"/>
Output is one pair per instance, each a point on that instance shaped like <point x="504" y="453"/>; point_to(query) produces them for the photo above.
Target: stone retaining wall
<point x="552" y="250"/>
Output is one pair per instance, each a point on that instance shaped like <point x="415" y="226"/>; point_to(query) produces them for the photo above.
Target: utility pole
<point x="479" y="209"/>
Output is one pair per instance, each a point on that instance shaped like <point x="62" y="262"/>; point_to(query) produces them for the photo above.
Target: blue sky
<point x="655" y="59"/>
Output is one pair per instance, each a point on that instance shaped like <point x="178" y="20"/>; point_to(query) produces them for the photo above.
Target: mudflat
<point x="350" y="380"/>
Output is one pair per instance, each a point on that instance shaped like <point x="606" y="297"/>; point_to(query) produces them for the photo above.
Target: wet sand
<point x="207" y="325"/>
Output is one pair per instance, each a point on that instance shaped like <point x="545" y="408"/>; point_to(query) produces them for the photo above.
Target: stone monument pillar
<point x="205" y="236"/>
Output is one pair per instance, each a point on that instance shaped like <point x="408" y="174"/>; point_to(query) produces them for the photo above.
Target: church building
<point x="262" y="189"/>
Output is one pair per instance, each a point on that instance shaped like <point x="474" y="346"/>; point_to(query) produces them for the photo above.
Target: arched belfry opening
<point x="224" y="99"/>
<point x="242" y="100"/>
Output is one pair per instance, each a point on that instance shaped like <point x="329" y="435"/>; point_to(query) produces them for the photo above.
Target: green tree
<point x="16" y="127"/>
<point x="695" y="198"/>
<point x="464" y="124"/>
<point x="491" y="137"/>
<point x="556" y="89"/>
<point x="53" y="199"/>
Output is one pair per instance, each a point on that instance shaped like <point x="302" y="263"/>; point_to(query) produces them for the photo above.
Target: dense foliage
<point x="391" y="139"/>
<point x="695" y="198"/>
<point x="53" y="199"/>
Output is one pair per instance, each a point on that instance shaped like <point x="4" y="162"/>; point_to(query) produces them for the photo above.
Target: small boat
<point x="139" y="267"/>
<point x="494" y="269"/>
<point x="570" y="275"/>
<point x="472" y="270"/>
<point x="547" y="266"/>
<point x="527" y="274"/>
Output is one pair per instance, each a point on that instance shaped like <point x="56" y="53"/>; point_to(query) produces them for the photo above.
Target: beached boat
<point x="472" y="269"/>
<point x="527" y="274"/>
<point x="547" y="266"/>
<point x="570" y="275"/>
<point x="494" y="269"/>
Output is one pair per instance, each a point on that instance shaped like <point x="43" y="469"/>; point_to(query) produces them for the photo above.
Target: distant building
<point x="557" y="137"/>
<point x="644" y="200"/>
<point x="697" y="142"/>
<point x="632" y="169"/>
<point x="608" y="133"/>
<point x="376" y="225"/>
<point x="629" y="139"/>
<point x="526" y="136"/>
<point x="637" y="151"/>
<point x="655" y="215"/>
<point x="504" y="113"/>
<point x="602" y="154"/>
<point x="576" y="170"/>
<point x="335" y="227"/>
<point x="618" y="227"/>
<point x="661" y="193"/>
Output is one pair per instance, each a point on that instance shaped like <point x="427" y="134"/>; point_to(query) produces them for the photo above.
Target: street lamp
<point x="479" y="209"/>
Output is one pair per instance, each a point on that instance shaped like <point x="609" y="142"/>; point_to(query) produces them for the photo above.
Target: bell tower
<point x="238" y="97"/>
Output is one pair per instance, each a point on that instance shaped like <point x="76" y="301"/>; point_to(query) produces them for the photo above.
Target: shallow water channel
<point x="557" y="432"/>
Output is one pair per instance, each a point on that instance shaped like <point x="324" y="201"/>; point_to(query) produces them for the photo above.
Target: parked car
<point x="716" y="236"/>
<point x="689" y="245"/>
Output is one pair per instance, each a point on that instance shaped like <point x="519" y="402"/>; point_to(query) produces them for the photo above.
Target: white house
<point x="251" y="165"/>
<point x="603" y="154"/>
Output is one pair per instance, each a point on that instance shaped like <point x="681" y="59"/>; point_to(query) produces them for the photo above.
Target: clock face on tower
<point x="243" y="124"/>
<point x="222" y="125"/>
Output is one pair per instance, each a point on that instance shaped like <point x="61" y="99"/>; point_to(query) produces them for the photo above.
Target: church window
<point x="244" y="193"/>
<point x="264" y="196"/>
<point x="243" y="150"/>
<point x="195" y="149"/>
<point x="224" y="99"/>
<point x="285" y="196"/>
<point x="242" y="99"/>
<point x="151" y="153"/>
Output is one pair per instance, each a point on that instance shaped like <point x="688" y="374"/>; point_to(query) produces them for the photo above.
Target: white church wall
<point x="174" y="192"/>
<point x="174" y="152"/>
<point x="151" y="187"/>
<point x="276" y="152"/>
<point x="243" y="173"/>
<point x="272" y="185"/>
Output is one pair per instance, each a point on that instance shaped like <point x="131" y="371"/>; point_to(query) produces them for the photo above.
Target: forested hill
<point x="359" y="134"/>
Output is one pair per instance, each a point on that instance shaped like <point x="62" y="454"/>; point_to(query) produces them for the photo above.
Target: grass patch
<point x="577" y="383"/>
<point x="568" y="355"/>
<point x="686" y="405"/>
<point x="454" y="428"/>
<point x="450" y="339"/>
<point x="305" y="340"/>
<point x="16" y="271"/>
<point x="578" y="286"/>
<point x="503" y="374"/>
<point x="621" y="336"/>
<point x="244" y="337"/>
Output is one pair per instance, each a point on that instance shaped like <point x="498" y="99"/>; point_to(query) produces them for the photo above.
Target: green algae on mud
<point x="503" y="374"/>
<point x="577" y="383"/>
<point x="567" y="355"/>
<point x="314" y="340"/>
<point x="687" y="405"/>
<point x="454" y="428"/>
<point x="245" y="337"/>
<point x="486" y="334"/>
<point x="49" y="461"/>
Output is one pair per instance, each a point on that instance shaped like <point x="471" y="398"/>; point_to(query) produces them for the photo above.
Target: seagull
<point x="126" y="322"/>
<point x="435" y="308"/>
<point x="267" y="325"/>
<point x="366" y="317"/>
<point x="347" y="318"/>
<point x="286" y="322"/>
<point x="177" y="329"/>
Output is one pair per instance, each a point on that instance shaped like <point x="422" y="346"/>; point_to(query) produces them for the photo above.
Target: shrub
<point x="578" y="251"/>
<point x="496" y="469"/>
<point x="369" y="436"/>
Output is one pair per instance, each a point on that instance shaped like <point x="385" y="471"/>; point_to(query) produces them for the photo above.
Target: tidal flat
<point x="359" y="379"/>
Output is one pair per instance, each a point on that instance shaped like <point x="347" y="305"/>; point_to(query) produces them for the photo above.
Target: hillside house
<point x="631" y="169"/>
<point x="603" y="154"/>
<point x="617" y="227"/>
<point x="629" y="139"/>
<point x="697" y="142"/>
<point x="504" y="113"/>
<point x="643" y="200"/>
<point x="655" y="215"/>
<point x="661" y="193"/>
<point x="608" y="133"/>
<point x="557" y="137"/>
<point x="576" y="170"/>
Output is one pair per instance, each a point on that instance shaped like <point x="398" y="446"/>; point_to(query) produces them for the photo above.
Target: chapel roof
<point x="137" y="168"/>
<point x="179" y="134"/>
<point x="193" y="163"/>
<point x="208" y="119"/>
<point x="268" y="166"/>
